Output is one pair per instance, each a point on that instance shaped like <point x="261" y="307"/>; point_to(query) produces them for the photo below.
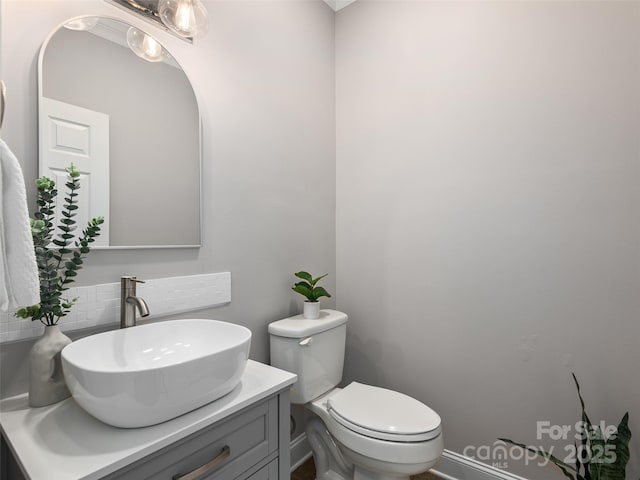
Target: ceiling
<point x="338" y="4"/>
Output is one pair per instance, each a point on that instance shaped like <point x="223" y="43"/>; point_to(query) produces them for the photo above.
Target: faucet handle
<point x="128" y="285"/>
<point x="131" y="279"/>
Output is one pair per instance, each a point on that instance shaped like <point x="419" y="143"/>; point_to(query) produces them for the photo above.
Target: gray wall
<point x="154" y="147"/>
<point x="488" y="197"/>
<point x="265" y="82"/>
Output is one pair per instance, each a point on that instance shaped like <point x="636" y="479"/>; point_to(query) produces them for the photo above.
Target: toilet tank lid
<point x="299" y="327"/>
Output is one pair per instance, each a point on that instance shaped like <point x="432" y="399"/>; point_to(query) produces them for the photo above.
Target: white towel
<point x="19" y="283"/>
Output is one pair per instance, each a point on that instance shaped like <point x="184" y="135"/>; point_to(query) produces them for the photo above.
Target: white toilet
<point x="360" y="431"/>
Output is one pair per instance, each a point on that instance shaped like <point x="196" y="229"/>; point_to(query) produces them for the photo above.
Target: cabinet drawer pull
<point x="207" y="467"/>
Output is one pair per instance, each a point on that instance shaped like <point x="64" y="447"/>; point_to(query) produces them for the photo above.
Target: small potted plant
<point x="59" y="255"/>
<point x="309" y="289"/>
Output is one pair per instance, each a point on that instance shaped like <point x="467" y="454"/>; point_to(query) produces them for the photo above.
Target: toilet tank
<point x="312" y="349"/>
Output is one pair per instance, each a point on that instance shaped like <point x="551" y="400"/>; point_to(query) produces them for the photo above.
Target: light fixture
<point x="145" y="46"/>
<point x="186" y="19"/>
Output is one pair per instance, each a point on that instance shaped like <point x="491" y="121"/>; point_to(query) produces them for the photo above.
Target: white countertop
<point x="63" y="442"/>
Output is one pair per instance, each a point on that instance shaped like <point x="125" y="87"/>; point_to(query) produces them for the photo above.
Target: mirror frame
<point x="41" y="52"/>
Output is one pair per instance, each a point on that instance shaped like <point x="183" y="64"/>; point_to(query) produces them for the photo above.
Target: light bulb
<point x="187" y="18"/>
<point x="151" y="47"/>
<point x="184" y="16"/>
<point x="145" y="46"/>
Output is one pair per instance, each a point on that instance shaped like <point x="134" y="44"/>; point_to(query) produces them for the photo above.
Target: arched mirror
<point x="114" y="102"/>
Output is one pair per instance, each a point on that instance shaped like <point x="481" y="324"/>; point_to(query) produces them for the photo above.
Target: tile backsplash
<point x="100" y="304"/>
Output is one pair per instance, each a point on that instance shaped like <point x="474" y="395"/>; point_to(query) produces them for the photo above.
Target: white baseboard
<point x="452" y="466"/>
<point x="300" y="451"/>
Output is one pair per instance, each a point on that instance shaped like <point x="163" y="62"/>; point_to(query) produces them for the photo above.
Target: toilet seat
<point x="383" y="414"/>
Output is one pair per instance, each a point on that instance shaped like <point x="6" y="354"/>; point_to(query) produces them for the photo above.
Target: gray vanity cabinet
<point x="250" y="444"/>
<point x="242" y="436"/>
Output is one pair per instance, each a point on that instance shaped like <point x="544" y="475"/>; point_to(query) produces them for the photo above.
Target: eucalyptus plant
<point x="58" y="255"/>
<point x="597" y="458"/>
<point x="307" y="287"/>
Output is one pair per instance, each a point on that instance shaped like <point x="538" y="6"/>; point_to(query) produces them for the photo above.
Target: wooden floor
<point x="307" y="471"/>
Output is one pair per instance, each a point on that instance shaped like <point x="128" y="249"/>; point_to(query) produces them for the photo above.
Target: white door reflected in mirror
<point x="80" y="136"/>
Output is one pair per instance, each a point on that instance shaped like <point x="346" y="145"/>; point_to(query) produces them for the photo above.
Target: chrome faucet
<point x="129" y="302"/>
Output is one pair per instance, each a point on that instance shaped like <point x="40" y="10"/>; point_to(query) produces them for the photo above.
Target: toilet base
<point x="367" y="468"/>
<point x="330" y="464"/>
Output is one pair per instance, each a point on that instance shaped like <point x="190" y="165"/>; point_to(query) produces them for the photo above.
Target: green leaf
<point x="567" y="469"/>
<point x="320" y="292"/>
<point x="583" y="462"/>
<point x="305" y="276"/>
<point x="69" y="302"/>
<point x="37" y="226"/>
<point x="44" y="183"/>
<point x="305" y="290"/>
<point x="316" y="280"/>
<point x="72" y="170"/>
<point x="609" y="457"/>
<point x="29" y="312"/>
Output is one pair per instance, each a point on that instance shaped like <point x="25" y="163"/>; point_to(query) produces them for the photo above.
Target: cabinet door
<point x="222" y="451"/>
<point x="268" y="472"/>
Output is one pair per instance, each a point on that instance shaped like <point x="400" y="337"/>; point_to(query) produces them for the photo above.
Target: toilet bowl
<point x="359" y="432"/>
<point x="383" y="433"/>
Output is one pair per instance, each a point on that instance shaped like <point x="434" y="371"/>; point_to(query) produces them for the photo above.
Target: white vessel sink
<point x="140" y="376"/>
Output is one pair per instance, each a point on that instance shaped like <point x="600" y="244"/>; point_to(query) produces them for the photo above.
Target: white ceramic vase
<point x="311" y="310"/>
<point x="46" y="381"/>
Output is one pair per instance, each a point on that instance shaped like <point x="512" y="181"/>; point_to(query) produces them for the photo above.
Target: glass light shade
<point x="145" y="46"/>
<point x="187" y="18"/>
<point x="81" y="24"/>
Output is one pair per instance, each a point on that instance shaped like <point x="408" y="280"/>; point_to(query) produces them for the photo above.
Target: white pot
<point x="46" y="381"/>
<point x="311" y="310"/>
